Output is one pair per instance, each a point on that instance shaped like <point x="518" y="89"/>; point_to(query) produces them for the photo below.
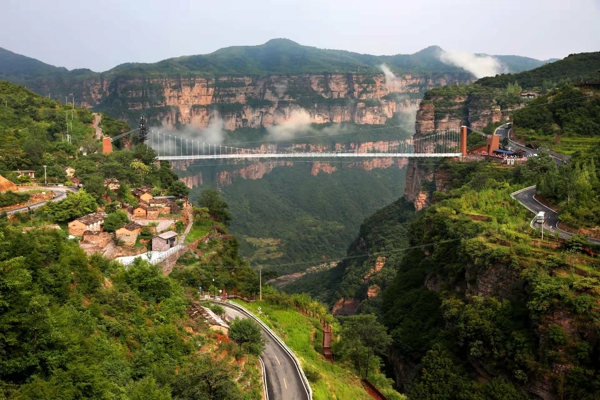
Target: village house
<point x="100" y="239"/>
<point x="90" y="222"/>
<point x="164" y="206"/>
<point x="112" y="184"/>
<point x="143" y="193"/>
<point x="144" y="211"/>
<point x="28" y="172"/>
<point x="164" y="241"/>
<point x="128" y="234"/>
<point x="528" y="95"/>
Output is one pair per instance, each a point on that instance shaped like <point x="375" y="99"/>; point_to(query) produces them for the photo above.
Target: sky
<point x="102" y="34"/>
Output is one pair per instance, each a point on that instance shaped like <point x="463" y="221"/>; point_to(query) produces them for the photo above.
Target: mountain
<point x="167" y="90"/>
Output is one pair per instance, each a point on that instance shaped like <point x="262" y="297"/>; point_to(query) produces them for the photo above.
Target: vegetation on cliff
<point x="73" y="326"/>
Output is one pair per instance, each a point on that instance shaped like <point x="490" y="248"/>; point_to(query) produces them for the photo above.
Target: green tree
<point x="74" y="206"/>
<point x="115" y="220"/>
<point x="362" y="337"/>
<point x="141" y="168"/>
<point x="205" y="378"/>
<point x="178" y="189"/>
<point x="217" y="207"/>
<point x="248" y="334"/>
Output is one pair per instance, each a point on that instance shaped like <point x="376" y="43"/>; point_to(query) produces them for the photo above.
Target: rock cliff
<point x="253" y="102"/>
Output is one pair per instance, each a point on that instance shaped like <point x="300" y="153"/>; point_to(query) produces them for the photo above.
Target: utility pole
<point x="45" y="181"/>
<point x="260" y="283"/>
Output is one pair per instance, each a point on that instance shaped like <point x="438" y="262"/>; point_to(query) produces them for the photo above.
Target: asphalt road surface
<point x="526" y="198"/>
<point x="283" y="380"/>
<point x="60" y="193"/>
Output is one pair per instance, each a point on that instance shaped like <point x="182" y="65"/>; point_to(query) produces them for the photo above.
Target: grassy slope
<point x="296" y="330"/>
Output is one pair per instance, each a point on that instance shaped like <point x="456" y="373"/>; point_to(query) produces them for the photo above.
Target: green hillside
<point x="277" y="56"/>
<point x="574" y="68"/>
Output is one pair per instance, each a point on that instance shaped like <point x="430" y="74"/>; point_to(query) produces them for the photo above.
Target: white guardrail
<point x="279" y="341"/>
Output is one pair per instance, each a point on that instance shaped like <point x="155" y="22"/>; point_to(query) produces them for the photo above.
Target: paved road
<point x="526" y="199"/>
<point x="60" y="193"/>
<point x="283" y="380"/>
<point x="503" y="131"/>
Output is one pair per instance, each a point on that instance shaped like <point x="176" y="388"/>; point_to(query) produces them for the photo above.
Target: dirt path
<point x="96" y="123"/>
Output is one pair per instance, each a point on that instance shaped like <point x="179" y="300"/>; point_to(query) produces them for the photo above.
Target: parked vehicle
<point x="540" y="217"/>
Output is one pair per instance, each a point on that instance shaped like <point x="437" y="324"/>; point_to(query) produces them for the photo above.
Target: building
<point x="128" y="234"/>
<point x="164" y="241"/>
<point x="528" y="95"/>
<point x="90" y="222"/>
<point x="30" y="173"/>
<point x="164" y="206"/>
<point x="143" y="193"/>
<point x="144" y="211"/>
<point x="100" y="239"/>
<point x="112" y="184"/>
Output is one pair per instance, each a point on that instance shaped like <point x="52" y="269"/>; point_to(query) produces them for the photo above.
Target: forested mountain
<point x="277" y="56"/>
<point x="490" y="100"/>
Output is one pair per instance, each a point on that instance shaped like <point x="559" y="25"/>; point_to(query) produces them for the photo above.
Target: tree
<point x="74" y="206"/>
<point x="205" y="378"/>
<point x="363" y="337"/>
<point x="115" y="220"/>
<point x="217" y="207"/>
<point x="247" y="333"/>
<point x="94" y="185"/>
<point x="178" y="189"/>
<point x="141" y="168"/>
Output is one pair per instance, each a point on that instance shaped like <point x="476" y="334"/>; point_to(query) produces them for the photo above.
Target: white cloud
<point x="478" y="65"/>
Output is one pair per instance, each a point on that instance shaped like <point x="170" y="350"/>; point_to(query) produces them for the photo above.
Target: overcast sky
<point x="102" y="34"/>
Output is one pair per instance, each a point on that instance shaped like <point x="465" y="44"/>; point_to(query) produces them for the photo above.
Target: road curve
<point x="283" y="378"/>
<point x="527" y="199"/>
<point x="60" y="193"/>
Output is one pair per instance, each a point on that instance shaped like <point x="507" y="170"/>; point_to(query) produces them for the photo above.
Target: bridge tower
<point x="107" y="145"/>
<point x="143" y="132"/>
<point x="463" y="140"/>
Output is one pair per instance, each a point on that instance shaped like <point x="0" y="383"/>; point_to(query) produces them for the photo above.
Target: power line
<point x="339" y="259"/>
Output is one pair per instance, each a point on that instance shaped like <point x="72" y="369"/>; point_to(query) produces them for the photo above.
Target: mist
<point x="170" y="141"/>
<point x="299" y="122"/>
<point x="478" y="65"/>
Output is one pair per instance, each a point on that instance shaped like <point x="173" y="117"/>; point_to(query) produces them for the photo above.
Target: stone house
<point x="144" y="211"/>
<point x="143" y="193"/>
<point x="112" y="184"/>
<point x="164" y="241"/>
<point x="128" y="234"/>
<point x="90" y="222"/>
<point x="165" y="206"/>
<point x="30" y="173"/>
<point x="100" y="239"/>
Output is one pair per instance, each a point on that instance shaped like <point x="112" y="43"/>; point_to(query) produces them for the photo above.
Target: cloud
<point x="478" y="65"/>
<point x="298" y="122"/>
<point x="390" y="78"/>
<point x="188" y="139"/>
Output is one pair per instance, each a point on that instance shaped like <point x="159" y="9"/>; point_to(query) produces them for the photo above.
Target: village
<point x="155" y="224"/>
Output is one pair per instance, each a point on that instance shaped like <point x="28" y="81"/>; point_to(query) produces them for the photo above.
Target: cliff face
<point x="252" y="101"/>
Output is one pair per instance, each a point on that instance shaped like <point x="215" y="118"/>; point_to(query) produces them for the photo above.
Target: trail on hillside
<point x="96" y="125"/>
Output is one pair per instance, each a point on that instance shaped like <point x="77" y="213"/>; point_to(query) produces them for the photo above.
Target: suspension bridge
<point x="169" y="147"/>
<point x="437" y="145"/>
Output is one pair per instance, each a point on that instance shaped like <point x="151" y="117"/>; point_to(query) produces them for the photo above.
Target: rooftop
<point x="168" y="235"/>
<point x="92" y="218"/>
<point x="132" y="226"/>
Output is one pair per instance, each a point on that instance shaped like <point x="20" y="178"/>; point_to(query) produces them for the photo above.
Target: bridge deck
<point x="307" y="155"/>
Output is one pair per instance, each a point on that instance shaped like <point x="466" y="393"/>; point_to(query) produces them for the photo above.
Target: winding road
<point x="527" y="199"/>
<point x="284" y="381"/>
<point x="60" y="193"/>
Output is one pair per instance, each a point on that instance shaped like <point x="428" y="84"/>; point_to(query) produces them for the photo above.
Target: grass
<point x="566" y="144"/>
<point x="329" y="381"/>
<point x="198" y="230"/>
